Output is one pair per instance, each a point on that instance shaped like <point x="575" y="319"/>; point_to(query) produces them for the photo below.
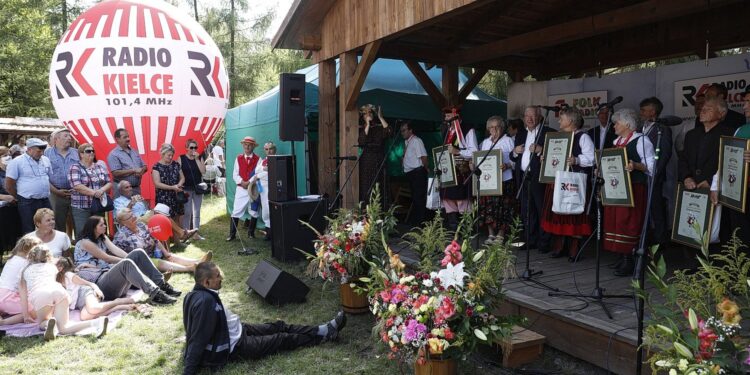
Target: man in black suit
<point x="602" y="140"/>
<point x="529" y="145"/>
<point x="650" y="110"/>
<point x="732" y="119"/>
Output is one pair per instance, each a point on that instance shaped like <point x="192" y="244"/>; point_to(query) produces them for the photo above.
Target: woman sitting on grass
<point x="49" y="298"/>
<point x="135" y="235"/>
<point x="10" y="279"/>
<point x="87" y="297"/>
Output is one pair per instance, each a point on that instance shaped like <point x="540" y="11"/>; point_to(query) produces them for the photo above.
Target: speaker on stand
<point x="292" y="107"/>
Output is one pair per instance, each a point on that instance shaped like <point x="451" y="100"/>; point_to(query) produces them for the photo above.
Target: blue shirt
<point x="60" y="166"/>
<point x="120" y="160"/>
<point x="139" y="209"/>
<point x="32" y="176"/>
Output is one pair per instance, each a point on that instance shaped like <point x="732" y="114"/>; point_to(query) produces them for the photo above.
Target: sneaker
<point x="49" y="333"/>
<point x="198" y="237"/>
<point x="170" y="290"/>
<point x="161" y="298"/>
<point x="333" y="332"/>
<point x="102" y="328"/>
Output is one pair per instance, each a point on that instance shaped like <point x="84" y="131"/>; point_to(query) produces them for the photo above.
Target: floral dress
<point x="169" y="175"/>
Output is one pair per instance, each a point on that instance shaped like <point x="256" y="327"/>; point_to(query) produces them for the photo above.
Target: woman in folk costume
<point x="462" y="141"/>
<point x="372" y="137"/>
<point x="497" y="213"/>
<point x="622" y="225"/>
<point x="261" y="178"/>
<point x="581" y="159"/>
<point x="244" y="169"/>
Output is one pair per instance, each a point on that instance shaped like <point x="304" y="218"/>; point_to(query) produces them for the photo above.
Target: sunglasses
<point x="88" y="151"/>
<point x="193" y="148"/>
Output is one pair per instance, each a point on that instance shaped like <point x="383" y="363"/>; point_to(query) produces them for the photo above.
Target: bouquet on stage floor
<point x="341" y="251"/>
<point x="695" y="323"/>
<point x="445" y="308"/>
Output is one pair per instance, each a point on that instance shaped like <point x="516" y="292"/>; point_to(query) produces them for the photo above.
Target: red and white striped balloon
<point x="140" y="65"/>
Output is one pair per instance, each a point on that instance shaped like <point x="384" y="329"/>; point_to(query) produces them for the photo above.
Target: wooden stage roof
<point x="543" y="38"/>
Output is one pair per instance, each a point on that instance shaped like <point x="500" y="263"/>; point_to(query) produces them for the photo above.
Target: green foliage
<point x="428" y="241"/>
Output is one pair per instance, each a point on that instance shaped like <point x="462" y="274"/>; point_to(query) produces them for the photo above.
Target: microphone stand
<point x="380" y="168"/>
<point x="528" y="273"/>
<point x="346" y="182"/>
<point x="639" y="273"/>
<point x="476" y="174"/>
<point x="597" y="182"/>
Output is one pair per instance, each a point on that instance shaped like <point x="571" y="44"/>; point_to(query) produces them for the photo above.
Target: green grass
<point x="155" y="345"/>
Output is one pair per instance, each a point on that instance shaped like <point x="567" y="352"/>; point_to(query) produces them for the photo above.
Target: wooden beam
<point x="470" y="85"/>
<point x="348" y="132"/>
<point x="310" y="42"/>
<point x="368" y="57"/>
<point x="450" y="84"/>
<point x="627" y="17"/>
<point x="327" y="127"/>
<point x="477" y="25"/>
<point x="437" y="97"/>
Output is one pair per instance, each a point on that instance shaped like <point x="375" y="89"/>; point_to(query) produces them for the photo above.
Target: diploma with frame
<point x="491" y="179"/>
<point x="557" y="148"/>
<point x="446" y="165"/>
<point x="617" y="189"/>
<point x="733" y="172"/>
<point x="693" y="215"/>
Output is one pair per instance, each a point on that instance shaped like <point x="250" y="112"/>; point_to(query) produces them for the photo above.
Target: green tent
<point x="389" y="84"/>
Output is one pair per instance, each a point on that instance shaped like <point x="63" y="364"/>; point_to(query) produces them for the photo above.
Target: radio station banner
<point x="586" y="102"/>
<point x="686" y="91"/>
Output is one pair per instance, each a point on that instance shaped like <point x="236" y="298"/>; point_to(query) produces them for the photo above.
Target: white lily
<point x="452" y="275"/>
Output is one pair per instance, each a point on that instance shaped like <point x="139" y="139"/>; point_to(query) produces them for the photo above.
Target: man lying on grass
<point x="215" y="336"/>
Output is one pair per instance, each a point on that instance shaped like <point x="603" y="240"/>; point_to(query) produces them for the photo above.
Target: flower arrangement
<point x="340" y="251"/>
<point x="697" y="330"/>
<point x="440" y="311"/>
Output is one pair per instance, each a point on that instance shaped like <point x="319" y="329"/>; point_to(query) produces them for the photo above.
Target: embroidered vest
<point x="247" y="167"/>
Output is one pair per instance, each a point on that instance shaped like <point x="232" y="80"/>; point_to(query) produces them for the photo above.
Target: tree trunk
<point x="64" y="17"/>
<point x="195" y="9"/>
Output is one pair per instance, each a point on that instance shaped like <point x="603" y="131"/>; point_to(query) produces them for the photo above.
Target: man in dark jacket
<point x="215" y="336"/>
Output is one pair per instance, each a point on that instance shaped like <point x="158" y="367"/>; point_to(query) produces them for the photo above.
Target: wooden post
<point x="348" y="131"/>
<point x="450" y="84"/>
<point x="327" y="127"/>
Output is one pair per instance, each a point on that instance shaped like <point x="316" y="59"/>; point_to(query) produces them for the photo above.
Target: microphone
<point x="610" y="103"/>
<point x="668" y="121"/>
<point x="549" y="108"/>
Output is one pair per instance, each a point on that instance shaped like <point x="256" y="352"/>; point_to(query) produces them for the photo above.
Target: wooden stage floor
<point x="575" y="325"/>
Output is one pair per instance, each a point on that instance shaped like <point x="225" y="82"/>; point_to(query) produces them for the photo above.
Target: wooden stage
<point x="577" y="326"/>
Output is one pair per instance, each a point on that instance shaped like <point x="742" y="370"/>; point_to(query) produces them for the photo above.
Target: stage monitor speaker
<point x="275" y="285"/>
<point x="292" y="107"/>
<point x="282" y="181"/>
<point x="287" y="232"/>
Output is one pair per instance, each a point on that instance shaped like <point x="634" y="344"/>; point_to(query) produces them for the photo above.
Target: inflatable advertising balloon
<point x="144" y="66"/>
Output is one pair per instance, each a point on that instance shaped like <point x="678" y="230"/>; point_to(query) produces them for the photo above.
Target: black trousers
<point x="418" y="186"/>
<point x="532" y="195"/>
<point x="261" y="340"/>
<point x="658" y="220"/>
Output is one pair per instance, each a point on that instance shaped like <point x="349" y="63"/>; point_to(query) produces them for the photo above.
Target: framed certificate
<point x="617" y="189"/>
<point x="445" y="164"/>
<point x="557" y="148"/>
<point x="693" y="215"/>
<point x="733" y="172"/>
<point x="491" y="179"/>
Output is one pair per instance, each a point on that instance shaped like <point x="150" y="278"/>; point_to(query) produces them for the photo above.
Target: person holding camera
<point x="193" y="168"/>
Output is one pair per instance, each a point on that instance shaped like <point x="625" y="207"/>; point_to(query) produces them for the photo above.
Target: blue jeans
<point x="27" y="208"/>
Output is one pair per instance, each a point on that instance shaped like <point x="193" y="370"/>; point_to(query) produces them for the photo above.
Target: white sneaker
<point x="101" y="329"/>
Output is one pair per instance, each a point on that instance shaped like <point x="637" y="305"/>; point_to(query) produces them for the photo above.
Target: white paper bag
<point x="569" y="193"/>
<point x="716" y="225"/>
<point x="433" y="195"/>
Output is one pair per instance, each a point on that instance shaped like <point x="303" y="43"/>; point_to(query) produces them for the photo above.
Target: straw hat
<point x="249" y="140"/>
<point x="252" y="191"/>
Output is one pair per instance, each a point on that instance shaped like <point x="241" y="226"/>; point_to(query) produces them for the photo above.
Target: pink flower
<point x="452" y="254"/>
<point x="385" y="296"/>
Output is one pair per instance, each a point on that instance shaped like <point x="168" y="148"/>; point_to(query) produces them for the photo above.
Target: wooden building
<point x="538" y="38"/>
<point x="12" y="130"/>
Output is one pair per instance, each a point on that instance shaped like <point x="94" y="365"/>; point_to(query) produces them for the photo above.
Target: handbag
<point x="181" y="197"/>
<point x="97" y="208"/>
<point x="569" y="193"/>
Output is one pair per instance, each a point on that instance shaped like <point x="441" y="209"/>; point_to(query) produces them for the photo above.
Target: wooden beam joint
<point x="429" y="87"/>
<point x="369" y="56"/>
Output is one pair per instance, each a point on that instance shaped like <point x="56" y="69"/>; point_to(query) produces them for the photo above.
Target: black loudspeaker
<point x="292" y="107"/>
<point x="288" y="234"/>
<point x="282" y="181"/>
<point x="275" y="285"/>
